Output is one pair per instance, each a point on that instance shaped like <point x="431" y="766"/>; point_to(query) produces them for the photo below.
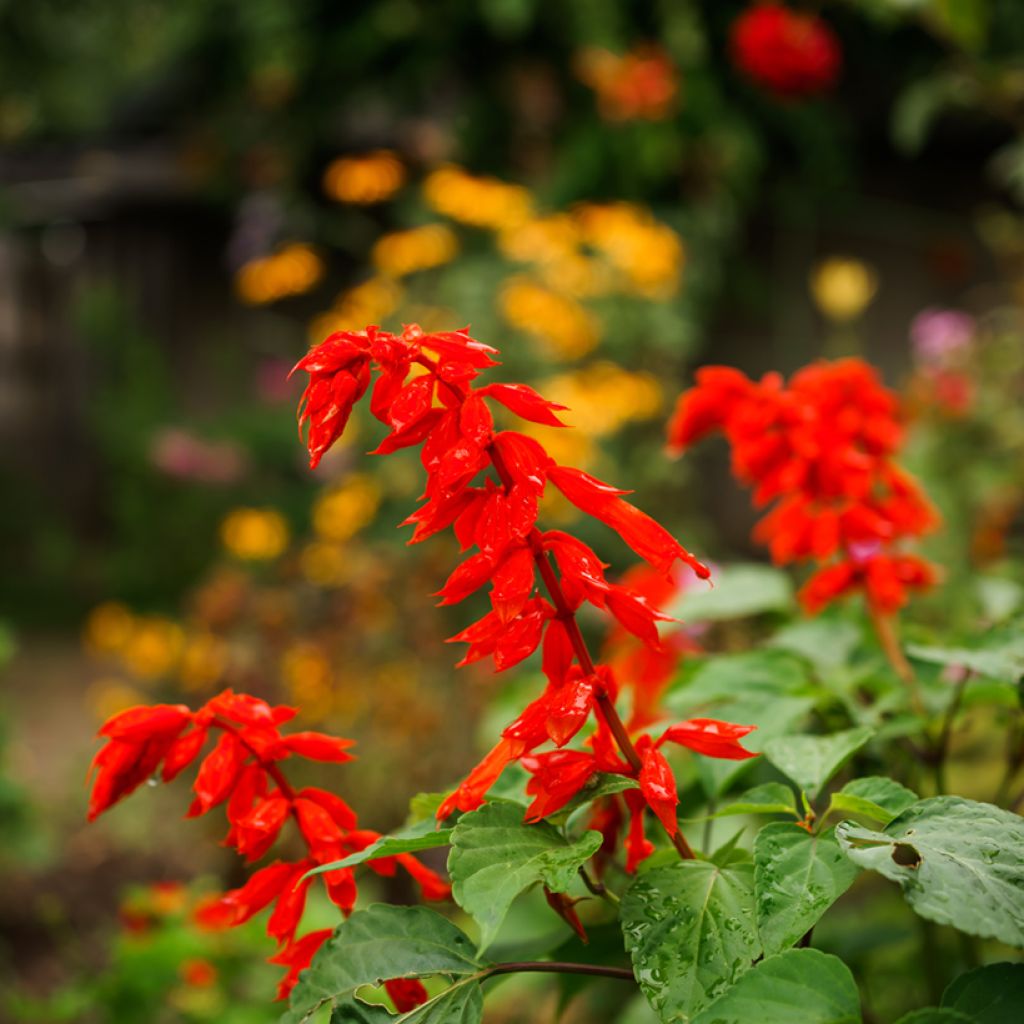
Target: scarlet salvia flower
<point x="787" y="52"/>
<point x="243" y="773"/>
<point x="486" y="484"/>
<point x="821" y="448"/>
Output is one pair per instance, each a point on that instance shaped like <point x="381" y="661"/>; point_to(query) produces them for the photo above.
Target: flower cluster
<point x="639" y="85"/>
<point x="487" y="484"/>
<point x="243" y="772"/>
<point x="788" y="53"/>
<point x="823" y="449"/>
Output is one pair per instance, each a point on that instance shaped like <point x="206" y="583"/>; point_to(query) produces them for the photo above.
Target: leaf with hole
<point x="800" y="986"/>
<point x="379" y="943"/>
<point x="690" y="930"/>
<point x="958" y="862"/>
<point x="494" y="857"/>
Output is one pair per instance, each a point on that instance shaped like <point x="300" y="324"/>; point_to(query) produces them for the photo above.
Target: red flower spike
<point x="138" y="724"/>
<point x="238" y="905"/>
<point x="297" y="956"/>
<point x="710" y="737"/>
<point x="565" y="907"/>
<point x="638" y="846"/>
<point x="406" y="993"/>
<point x="343" y="815"/>
<point x="290" y="904"/>
<point x="217" y="774"/>
<point x="658" y="785"/>
<point x="558" y="776"/>
<point x="183" y="751"/>
<point x="318" y="746"/>
<point x="525" y="403"/>
<point x="256" y="832"/>
<point x="432" y="886"/>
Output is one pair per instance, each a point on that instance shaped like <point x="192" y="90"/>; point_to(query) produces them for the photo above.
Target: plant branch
<point x="598" y="888"/>
<point x="268" y="766"/>
<point x="884" y="624"/>
<point x="558" y="967"/>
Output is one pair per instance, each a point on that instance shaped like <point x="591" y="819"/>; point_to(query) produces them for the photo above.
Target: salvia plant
<point x="578" y="797"/>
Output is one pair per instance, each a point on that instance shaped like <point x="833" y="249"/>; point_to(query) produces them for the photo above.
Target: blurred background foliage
<point x="191" y="192"/>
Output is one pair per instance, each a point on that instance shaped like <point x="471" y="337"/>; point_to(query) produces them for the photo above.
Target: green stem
<point x="557" y="967"/>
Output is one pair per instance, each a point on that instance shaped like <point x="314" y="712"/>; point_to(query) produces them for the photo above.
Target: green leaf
<point x="462" y="1003"/>
<point x="810" y="761"/>
<point x="828" y="644"/>
<point x="768" y="688"/>
<point x="378" y="943"/>
<point x="797" y="877"/>
<point x="873" y="797"/>
<point x="422" y="836"/>
<point x="768" y="798"/>
<point x="958" y="862"/>
<point x="690" y="930"/>
<point x="800" y="986"/>
<point x="600" y="785"/>
<point x="494" y="857"/>
<point x="1003" y="660"/>
<point x="739" y="591"/>
<point x="935" y="1015"/>
<point x="988" y="995"/>
<point x="423" y="806"/>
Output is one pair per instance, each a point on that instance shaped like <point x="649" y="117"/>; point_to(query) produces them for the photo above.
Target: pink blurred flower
<point x="182" y="455"/>
<point x="939" y="335"/>
<point x="272" y="383"/>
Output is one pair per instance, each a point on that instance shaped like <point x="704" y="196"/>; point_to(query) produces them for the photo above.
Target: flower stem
<point x="268" y="766"/>
<point x="884" y="624"/>
<point x="558" y="967"/>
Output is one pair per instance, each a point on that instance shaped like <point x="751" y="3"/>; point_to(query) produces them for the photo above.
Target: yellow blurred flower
<point x="369" y="178"/>
<point x="367" y="303"/>
<point x="649" y="255"/>
<point x="602" y="398"/>
<point x="342" y="511"/>
<point x="843" y="287"/>
<point x="479" y="201"/>
<point x="108" y="697"/>
<point x="254" y="534"/>
<point x="204" y="661"/>
<point x="405" y="252"/>
<point x="560" y="322"/>
<point x="325" y="564"/>
<point x="291" y="271"/>
<point x="308" y="679"/>
<point x="108" y="628"/>
<point x="153" y="647"/>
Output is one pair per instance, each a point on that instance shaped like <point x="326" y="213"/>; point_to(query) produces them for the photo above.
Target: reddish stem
<point x="268" y="766"/>
<point x="886" y="630"/>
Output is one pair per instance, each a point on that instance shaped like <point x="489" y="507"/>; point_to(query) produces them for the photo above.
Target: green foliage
<point x="495" y="857"/>
<point x="739" y="591"/>
<point x="691" y="931"/>
<point x="810" y="761"/>
<point x="424" y="835"/>
<point x="987" y="995"/>
<point x="872" y="797"/>
<point x="384" y="942"/>
<point x="800" y="986"/>
<point x="957" y="861"/>
<point x="798" y="875"/>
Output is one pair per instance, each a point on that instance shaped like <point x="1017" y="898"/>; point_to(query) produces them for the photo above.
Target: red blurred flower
<point x="823" y="450"/>
<point x="789" y="53"/>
